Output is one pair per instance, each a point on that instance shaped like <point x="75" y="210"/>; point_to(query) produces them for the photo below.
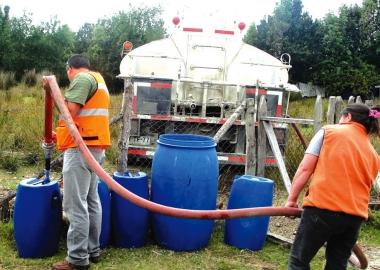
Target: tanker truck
<point x="193" y="80"/>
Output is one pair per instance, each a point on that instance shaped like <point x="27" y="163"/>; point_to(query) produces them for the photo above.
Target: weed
<point x="30" y="78"/>
<point x="7" y="80"/>
<point x="10" y="162"/>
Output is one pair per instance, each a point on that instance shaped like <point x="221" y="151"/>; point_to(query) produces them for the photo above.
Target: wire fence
<point x="290" y="137"/>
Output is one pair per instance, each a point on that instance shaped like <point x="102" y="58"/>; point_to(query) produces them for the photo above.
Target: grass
<point x="7" y="80"/>
<point x="217" y="255"/>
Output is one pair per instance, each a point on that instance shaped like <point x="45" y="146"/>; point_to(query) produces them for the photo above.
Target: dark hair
<point x="78" y="61"/>
<point x="360" y="113"/>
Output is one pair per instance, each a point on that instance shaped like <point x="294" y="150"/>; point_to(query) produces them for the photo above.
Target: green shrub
<point x="374" y="218"/>
<point x="7" y="80"/>
<point x="40" y="75"/>
<point x="30" y="77"/>
<point x="10" y="162"/>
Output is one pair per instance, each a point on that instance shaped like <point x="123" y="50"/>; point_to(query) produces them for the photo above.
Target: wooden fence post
<point x="250" y="150"/>
<point x="351" y="100"/>
<point x="338" y="109"/>
<point x="261" y="138"/>
<point x="331" y="110"/>
<point x="278" y="155"/>
<point x="318" y="114"/>
<point x="126" y="109"/>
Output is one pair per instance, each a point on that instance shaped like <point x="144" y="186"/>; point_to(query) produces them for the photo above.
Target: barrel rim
<point x="252" y="177"/>
<point x="37" y="183"/>
<point x="186" y="141"/>
<point x="129" y="175"/>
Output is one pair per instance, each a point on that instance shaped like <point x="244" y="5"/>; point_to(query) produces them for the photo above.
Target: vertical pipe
<point x="204" y="99"/>
<point x="48" y="133"/>
<point x="48" y="143"/>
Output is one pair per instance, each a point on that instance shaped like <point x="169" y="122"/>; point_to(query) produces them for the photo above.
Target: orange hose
<point x="51" y="84"/>
<point x="162" y="209"/>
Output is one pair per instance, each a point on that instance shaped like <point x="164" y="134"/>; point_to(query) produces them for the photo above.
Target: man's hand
<point x="54" y="136"/>
<point x="291" y="204"/>
<point x="45" y="83"/>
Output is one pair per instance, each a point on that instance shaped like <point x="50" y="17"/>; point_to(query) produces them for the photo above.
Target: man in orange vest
<point x="87" y="99"/>
<point x="344" y="165"/>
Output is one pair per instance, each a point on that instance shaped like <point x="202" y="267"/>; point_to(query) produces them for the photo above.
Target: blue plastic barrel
<point x="184" y="175"/>
<point x="246" y="192"/>
<point x="37" y="218"/>
<point x="129" y="222"/>
<point x="105" y="200"/>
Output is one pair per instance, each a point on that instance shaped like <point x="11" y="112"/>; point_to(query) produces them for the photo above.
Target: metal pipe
<point x="48" y="143"/>
<point x="225" y="127"/>
<point x="48" y="133"/>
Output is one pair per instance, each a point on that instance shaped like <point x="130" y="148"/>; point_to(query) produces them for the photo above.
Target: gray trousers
<point x="82" y="205"/>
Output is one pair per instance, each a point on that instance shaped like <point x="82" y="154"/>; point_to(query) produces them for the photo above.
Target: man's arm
<point x="304" y="171"/>
<point x="74" y="108"/>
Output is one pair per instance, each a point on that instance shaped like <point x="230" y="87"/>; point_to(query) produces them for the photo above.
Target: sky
<point x="77" y="12"/>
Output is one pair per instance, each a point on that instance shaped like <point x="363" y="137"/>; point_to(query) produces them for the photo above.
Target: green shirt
<point x="81" y="88"/>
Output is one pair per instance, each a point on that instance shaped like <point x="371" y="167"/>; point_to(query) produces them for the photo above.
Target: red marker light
<point x="241" y="26"/>
<point x="127" y="46"/>
<point x="176" y="21"/>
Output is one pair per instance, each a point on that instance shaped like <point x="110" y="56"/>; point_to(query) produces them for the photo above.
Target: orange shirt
<point x="346" y="169"/>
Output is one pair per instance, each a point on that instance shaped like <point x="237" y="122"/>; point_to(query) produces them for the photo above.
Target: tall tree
<point x="370" y="31"/>
<point x="290" y="30"/>
<point x="83" y="38"/>
<point x="139" y="25"/>
<point x="4" y="34"/>
<point x="42" y="47"/>
<point x="343" y="71"/>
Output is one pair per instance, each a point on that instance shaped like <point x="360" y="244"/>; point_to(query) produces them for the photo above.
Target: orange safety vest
<point x="346" y="169"/>
<point x="92" y="120"/>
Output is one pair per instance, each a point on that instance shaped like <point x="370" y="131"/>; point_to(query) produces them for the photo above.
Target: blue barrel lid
<point x="129" y="175"/>
<point x="254" y="178"/>
<point x="35" y="182"/>
<point x="186" y="140"/>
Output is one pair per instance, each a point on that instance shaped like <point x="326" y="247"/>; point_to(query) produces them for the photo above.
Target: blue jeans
<point x="338" y="230"/>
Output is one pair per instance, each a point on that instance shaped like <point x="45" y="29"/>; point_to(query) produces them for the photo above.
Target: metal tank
<point x="207" y="68"/>
<point x="192" y="81"/>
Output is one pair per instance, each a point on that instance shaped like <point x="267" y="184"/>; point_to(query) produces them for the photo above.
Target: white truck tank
<point x="192" y="81"/>
<point x="192" y="56"/>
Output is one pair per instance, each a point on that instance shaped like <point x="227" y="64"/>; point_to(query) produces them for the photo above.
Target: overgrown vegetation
<point x="7" y="80"/>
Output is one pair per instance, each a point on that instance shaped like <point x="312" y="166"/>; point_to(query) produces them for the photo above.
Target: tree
<point x="4" y="34"/>
<point x="83" y="38"/>
<point x="290" y="30"/>
<point x="43" y="47"/>
<point x="369" y="25"/>
<point x="342" y="70"/>
<point x="139" y="25"/>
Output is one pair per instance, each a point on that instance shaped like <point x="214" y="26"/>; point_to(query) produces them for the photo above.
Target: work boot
<point x="95" y="259"/>
<point x="65" y="265"/>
